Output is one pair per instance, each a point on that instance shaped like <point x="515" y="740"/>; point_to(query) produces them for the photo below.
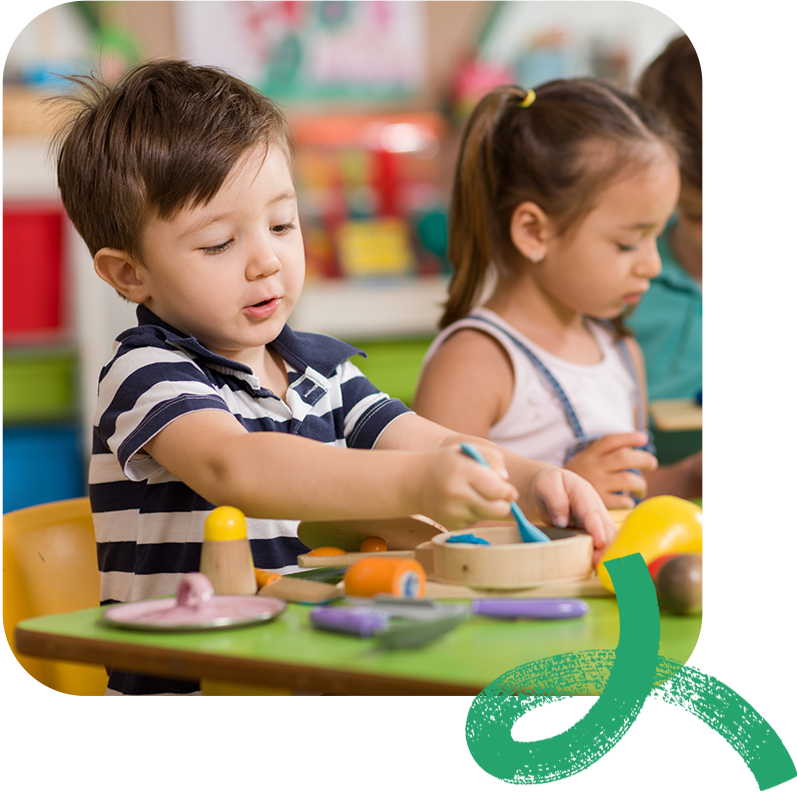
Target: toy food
<point x="263" y="577"/>
<point x="655" y="566"/>
<point x="400" y="577"/>
<point x="657" y="526"/>
<point x="327" y="551"/>
<point x="226" y="555"/>
<point x="373" y="544"/>
<point x="680" y="584"/>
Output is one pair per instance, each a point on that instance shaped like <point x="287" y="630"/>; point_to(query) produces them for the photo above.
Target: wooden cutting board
<point x="401" y="533"/>
<point x="591" y="587"/>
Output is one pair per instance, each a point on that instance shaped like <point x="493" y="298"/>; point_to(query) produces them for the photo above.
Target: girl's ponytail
<point x="474" y="234"/>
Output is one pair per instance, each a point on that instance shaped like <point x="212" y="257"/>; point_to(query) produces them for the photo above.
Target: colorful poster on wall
<point x="323" y="51"/>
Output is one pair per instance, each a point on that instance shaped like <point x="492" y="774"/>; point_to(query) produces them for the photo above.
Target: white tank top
<point x="535" y="425"/>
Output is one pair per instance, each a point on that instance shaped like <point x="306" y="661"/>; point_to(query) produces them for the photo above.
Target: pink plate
<point x="194" y="608"/>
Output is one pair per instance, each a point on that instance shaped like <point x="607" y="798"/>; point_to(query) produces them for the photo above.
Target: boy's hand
<point x="457" y="491"/>
<point x="568" y="499"/>
<point x="605" y="464"/>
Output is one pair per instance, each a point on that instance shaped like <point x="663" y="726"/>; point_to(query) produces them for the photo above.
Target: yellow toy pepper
<point x="655" y="527"/>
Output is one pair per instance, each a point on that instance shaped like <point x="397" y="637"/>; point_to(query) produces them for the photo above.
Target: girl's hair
<point x="673" y="84"/>
<point x="560" y="152"/>
<point x="163" y="138"/>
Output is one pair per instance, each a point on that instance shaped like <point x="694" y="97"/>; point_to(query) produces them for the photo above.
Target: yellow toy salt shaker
<point x="226" y="557"/>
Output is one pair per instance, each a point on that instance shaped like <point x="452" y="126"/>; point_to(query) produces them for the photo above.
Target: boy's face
<point x="230" y="272"/>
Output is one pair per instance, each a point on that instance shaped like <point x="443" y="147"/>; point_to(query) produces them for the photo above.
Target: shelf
<point x="26" y="371"/>
<point x="371" y="309"/>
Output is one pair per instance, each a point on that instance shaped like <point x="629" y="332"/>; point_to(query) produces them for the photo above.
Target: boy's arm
<point x="284" y="476"/>
<point x="546" y="492"/>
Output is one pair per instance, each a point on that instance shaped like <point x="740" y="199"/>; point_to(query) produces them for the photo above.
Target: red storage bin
<point x="32" y="268"/>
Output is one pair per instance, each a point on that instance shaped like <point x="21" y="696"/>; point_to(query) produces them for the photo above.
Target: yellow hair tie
<point x="528" y="99"/>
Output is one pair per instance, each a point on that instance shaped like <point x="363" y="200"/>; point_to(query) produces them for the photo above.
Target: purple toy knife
<point x="529" y="608"/>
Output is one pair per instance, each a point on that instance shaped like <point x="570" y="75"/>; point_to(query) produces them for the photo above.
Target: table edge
<point x="175" y="663"/>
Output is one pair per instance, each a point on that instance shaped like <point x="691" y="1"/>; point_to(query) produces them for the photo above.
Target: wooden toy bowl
<point x="510" y="563"/>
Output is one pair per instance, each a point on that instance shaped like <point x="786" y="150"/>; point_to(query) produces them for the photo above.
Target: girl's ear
<point x="530" y="230"/>
<point x="120" y="270"/>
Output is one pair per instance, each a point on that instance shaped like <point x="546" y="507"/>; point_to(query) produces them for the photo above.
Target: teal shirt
<point x="668" y="324"/>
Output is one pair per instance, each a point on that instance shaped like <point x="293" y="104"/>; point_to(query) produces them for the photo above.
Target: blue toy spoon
<point x="528" y="532"/>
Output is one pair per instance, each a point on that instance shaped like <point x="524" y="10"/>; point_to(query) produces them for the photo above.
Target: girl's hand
<point x="605" y="464"/>
<point x="457" y="491"/>
<point x="568" y="499"/>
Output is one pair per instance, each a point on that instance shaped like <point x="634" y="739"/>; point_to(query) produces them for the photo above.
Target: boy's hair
<point x="162" y="139"/>
<point x="560" y="152"/>
<point x="673" y="84"/>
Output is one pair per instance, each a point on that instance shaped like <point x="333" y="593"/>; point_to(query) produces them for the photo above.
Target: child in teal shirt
<point x="668" y="322"/>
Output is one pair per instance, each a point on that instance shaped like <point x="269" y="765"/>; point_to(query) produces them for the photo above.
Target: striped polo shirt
<point x="149" y="525"/>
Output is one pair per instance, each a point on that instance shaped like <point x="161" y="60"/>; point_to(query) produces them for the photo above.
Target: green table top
<point x="289" y="653"/>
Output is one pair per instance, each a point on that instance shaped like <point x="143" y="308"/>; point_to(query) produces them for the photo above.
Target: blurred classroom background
<point x="376" y="92"/>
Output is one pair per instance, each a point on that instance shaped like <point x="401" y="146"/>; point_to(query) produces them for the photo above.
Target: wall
<point x="452" y="27"/>
<point x="641" y="31"/>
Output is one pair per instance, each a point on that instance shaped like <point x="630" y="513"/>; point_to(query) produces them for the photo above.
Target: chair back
<point x="50" y="567"/>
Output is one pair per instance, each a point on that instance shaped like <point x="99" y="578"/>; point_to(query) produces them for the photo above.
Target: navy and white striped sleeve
<point x="366" y="410"/>
<point x="142" y="390"/>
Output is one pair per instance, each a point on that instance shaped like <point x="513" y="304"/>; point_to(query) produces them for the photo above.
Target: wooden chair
<point x="50" y="567"/>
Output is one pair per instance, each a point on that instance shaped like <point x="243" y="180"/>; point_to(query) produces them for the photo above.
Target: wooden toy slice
<point x="296" y="590"/>
<point x="508" y="562"/>
<point x="347" y="559"/>
<point x="400" y="533"/>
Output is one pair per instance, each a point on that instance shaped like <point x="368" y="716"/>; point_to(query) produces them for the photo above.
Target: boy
<point x="179" y="180"/>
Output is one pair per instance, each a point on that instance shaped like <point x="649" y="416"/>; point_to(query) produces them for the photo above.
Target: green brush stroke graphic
<point x="636" y="671"/>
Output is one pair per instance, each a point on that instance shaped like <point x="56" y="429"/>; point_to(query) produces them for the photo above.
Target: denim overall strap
<point x="582" y="441"/>
<point x="629" y="362"/>
<point x="570" y="413"/>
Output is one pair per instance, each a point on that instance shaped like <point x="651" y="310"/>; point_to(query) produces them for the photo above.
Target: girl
<point x="559" y="196"/>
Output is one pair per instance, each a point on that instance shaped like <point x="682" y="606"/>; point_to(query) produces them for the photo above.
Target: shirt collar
<point x="301" y="350"/>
